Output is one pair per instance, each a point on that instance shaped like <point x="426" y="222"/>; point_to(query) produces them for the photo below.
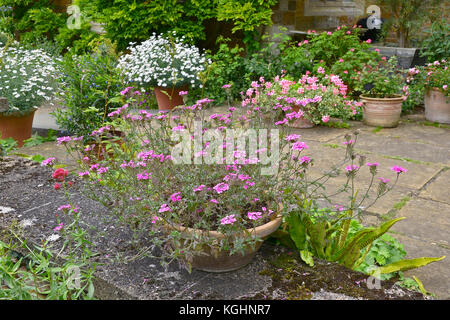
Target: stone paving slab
<point x="435" y="276"/>
<point x="398" y="147"/>
<point x="418" y="133"/>
<point x="439" y="189"/>
<point x="426" y="220"/>
<point x="417" y="176"/>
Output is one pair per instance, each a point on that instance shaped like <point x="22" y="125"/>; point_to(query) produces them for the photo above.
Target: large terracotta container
<point x="213" y="260"/>
<point x="171" y="99"/>
<point x="437" y="106"/>
<point x="382" y="112"/>
<point x="18" y="127"/>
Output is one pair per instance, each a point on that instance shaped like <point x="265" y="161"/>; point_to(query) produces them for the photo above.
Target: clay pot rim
<point x="262" y="230"/>
<point x="435" y="89"/>
<point x="398" y="98"/>
<point x="17" y="114"/>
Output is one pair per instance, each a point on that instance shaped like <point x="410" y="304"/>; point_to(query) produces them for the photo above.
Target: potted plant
<point x="436" y="80"/>
<point x="26" y="80"/>
<point x="384" y="90"/>
<point x="310" y="101"/>
<point x="166" y="63"/>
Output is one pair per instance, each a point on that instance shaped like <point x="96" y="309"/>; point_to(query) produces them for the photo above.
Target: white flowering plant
<point x="26" y="78"/>
<point x="163" y="61"/>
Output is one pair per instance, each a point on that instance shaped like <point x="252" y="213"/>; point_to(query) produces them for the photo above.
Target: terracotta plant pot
<point x="171" y="99"/>
<point x="18" y="127"/>
<point x="302" y="122"/>
<point x="99" y="150"/>
<point x="382" y="112"/>
<point x="437" y="106"/>
<point x="213" y="260"/>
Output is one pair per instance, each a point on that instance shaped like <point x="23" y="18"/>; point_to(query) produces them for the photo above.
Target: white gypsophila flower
<point x="53" y="237"/>
<point x="163" y="61"/>
<point x="30" y="78"/>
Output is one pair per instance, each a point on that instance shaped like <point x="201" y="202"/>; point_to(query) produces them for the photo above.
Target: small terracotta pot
<point x="302" y="122"/>
<point x="213" y="260"/>
<point x="382" y="112"/>
<point x="99" y="150"/>
<point x="171" y="99"/>
<point x="18" y="127"/>
<point x="437" y="106"/>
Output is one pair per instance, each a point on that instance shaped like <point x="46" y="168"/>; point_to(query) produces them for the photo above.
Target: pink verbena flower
<point x="398" y="169"/>
<point x="351" y="168"/>
<point x="372" y="164"/>
<point x="383" y="180"/>
<point x="254" y="215"/>
<point x="58" y="227"/>
<point x="48" y="161"/>
<point x="228" y="220"/>
<point x="299" y="146"/>
<point x="164" y="208"/>
<point x="292" y="137"/>
<point x="221" y="187"/>
<point x="175" y="197"/>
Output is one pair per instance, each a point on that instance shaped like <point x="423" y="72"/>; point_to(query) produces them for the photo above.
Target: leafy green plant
<point x="382" y="79"/>
<point x="35" y="22"/>
<point x="436" y="45"/>
<point x="408" y="17"/>
<point x="36" y="139"/>
<point x="88" y="96"/>
<point x="7" y="145"/>
<point x="247" y="16"/>
<point x="334" y="235"/>
<point x="341" y="52"/>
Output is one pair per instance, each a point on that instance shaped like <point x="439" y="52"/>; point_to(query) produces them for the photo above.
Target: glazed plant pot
<point x="168" y="98"/>
<point x="382" y="112"/>
<point x="18" y="127"/>
<point x="213" y="260"/>
<point x="437" y="106"/>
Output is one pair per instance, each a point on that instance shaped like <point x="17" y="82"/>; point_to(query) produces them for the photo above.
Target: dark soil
<point x="275" y="273"/>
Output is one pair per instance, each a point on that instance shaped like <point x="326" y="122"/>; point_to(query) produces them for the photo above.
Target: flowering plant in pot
<point x="26" y="81"/>
<point x="190" y="184"/>
<point x="166" y="63"/>
<point x="435" y="78"/>
<point x="384" y="89"/>
<point x="311" y="100"/>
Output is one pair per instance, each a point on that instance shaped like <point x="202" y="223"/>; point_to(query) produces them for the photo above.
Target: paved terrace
<point x="421" y="195"/>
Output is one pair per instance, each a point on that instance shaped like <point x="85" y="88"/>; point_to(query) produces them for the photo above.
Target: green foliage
<point x="131" y="21"/>
<point x="36" y="139"/>
<point x="342" y="53"/>
<point x="381" y="79"/>
<point x="247" y="16"/>
<point x="436" y="45"/>
<point x="89" y="84"/>
<point x="383" y="250"/>
<point x="408" y="17"/>
<point x="229" y="66"/>
<point x="36" y="21"/>
<point x="7" y="145"/>
<point x="405" y="265"/>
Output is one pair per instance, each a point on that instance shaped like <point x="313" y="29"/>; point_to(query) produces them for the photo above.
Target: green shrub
<point x="89" y="84"/>
<point x="437" y="45"/>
